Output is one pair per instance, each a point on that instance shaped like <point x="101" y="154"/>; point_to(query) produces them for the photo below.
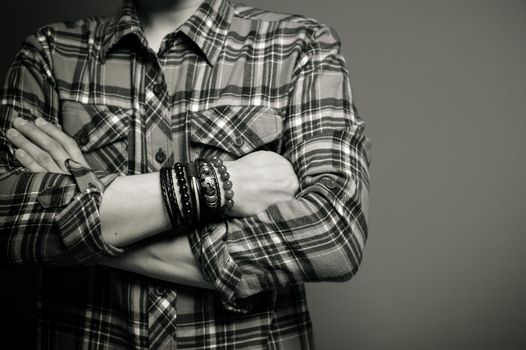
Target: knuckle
<point x="21" y="142"/>
<point x="70" y="143"/>
<point x="43" y="158"/>
<point x="28" y="126"/>
<point x="53" y="146"/>
<point x="20" y="154"/>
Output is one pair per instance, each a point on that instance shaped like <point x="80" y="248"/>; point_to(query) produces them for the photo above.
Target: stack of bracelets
<point x="199" y="186"/>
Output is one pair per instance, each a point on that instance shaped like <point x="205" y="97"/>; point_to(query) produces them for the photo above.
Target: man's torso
<point x="219" y="86"/>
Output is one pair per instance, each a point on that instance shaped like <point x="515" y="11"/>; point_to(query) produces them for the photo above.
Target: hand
<point x="260" y="179"/>
<point x="42" y="147"/>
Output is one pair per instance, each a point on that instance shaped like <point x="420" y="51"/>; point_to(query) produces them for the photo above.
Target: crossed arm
<point x="315" y="234"/>
<point x="132" y="209"/>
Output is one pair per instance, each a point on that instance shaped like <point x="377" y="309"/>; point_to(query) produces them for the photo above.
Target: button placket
<point x="159" y="145"/>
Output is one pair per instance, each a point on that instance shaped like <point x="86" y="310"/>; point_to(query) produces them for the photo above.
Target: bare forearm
<point x="132" y="209"/>
<point x="168" y="258"/>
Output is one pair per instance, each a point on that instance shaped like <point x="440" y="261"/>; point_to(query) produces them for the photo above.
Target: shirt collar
<point x="207" y="27"/>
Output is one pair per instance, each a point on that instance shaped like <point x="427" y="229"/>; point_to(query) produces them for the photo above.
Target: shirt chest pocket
<point x="101" y="131"/>
<point x="234" y="131"/>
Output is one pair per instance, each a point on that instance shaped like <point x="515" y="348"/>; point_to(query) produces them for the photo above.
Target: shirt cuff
<point x="209" y="246"/>
<point x="79" y="222"/>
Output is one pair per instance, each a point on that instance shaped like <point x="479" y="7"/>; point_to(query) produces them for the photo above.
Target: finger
<point x="39" y="155"/>
<point x="43" y="141"/>
<point x="27" y="162"/>
<point x="68" y="143"/>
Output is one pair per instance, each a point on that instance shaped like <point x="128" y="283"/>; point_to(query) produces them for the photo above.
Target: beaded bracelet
<point x="187" y="213"/>
<point x="225" y="178"/>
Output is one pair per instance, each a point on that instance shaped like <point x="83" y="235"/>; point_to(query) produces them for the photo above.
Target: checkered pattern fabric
<point x="229" y="81"/>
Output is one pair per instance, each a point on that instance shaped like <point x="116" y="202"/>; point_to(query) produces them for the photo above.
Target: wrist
<point x="198" y="189"/>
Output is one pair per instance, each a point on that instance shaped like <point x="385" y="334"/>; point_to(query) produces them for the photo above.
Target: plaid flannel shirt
<point x="230" y="80"/>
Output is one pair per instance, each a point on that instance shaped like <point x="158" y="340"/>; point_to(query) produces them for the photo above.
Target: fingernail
<point x="40" y="121"/>
<point x="20" y="121"/>
<point x="12" y="133"/>
<point x="20" y="153"/>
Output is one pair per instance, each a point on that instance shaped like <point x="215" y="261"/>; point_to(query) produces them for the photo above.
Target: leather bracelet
<point x="176" y="210"/>
<point x="191" y="172"/>
<point x="170" y="202"/>
<point x="197" y="198"/>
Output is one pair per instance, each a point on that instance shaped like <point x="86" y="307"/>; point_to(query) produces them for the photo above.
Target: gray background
<point x="441" y="85"/>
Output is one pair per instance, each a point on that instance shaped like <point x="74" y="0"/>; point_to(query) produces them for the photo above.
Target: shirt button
<point x="83" y="140"/>
<point x="239" y="141"/>
<point x="158" y="88"/>
<point x="159" y="291"/>
<point x="330" y="183"/>
<point x="160" y="156"/>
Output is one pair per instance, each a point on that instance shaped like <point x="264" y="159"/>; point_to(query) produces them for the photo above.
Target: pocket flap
<point x="236" y="129"/>
<point x="95" y="125"/>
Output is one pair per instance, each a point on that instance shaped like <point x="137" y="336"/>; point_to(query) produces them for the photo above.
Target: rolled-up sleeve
<point x="320" y="235"/>
<point x="45" y="218"/>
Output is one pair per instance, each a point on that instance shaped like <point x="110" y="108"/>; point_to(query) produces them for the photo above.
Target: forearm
<point x="172" y="259"/>
<point x="320" y="235"/>
<point x="132" y="209"/>
<point x="166" y="257"/>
